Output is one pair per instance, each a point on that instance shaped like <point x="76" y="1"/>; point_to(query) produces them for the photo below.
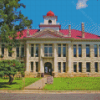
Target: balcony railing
<point x="48" y="54"/>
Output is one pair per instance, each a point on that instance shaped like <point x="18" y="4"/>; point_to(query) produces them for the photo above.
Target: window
<point x="74" y="50"/>
<point x="88" y="67"/>
<point x="64" y="50"/>
<point x="96" y="66"/>
<point x="36" y="66"/>
<point x="64" y="66"/>
<point x="87" y="50"/>
<point x="37" y="50"/>
<point x="32" y="50"/>
<point x="2" y="49"/>
<point x="22" y="50"/>
<point x="59" y="67"/>
<point x="17" y="51"/>
<point x="48" y="50"/>
<point x="59" y="50"/>
<point x="49" y="21"/>
<point x="31" y="66"/>
<point x="75" y="66"/>
<point x="80" y="50"/>
<point x="95" y="51"/>
<point x="10" y="51"/>
<point x="80" y="66"/>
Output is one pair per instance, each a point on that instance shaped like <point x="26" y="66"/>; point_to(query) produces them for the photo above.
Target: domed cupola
<point x="50" y="13"/>
<point x="50" y="22"/>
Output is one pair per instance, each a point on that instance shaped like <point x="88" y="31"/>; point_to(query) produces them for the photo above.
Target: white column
<point x="69" y="58"/>
<point x="61" y="50"/>
<point x="76" y="50"/>
<point x="34" y="67"/>
<point x="55" y="59"/>
<point x="27" y="58"/>
<point x="99" y="67"/>
<point x="34" y="50"/>
<point x="41" y="59"/>
<point x="61" y="67"/>
<point x="77" y="67"/>
<point x="98" y="50"/>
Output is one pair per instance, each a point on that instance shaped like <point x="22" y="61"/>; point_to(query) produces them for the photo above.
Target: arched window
<point x="50" y="21"/>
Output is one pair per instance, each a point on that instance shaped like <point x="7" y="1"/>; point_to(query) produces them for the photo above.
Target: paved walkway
<point x="52" y="91"/>
<point x="37" y="85"/>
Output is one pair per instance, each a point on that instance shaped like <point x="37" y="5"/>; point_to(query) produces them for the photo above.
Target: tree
<point x="10" y="68"/>
<point x="12" y="21"/>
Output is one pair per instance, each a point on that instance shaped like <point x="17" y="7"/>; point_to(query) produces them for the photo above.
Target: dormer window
<point x="50" y="21"/>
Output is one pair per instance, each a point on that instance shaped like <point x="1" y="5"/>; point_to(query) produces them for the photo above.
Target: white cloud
<point x="81" y="4"/>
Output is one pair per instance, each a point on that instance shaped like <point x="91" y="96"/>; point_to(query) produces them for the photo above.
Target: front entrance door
<point x="48" y="68"/>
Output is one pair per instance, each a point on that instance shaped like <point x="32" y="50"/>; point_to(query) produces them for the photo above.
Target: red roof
<point x="24" y="33"/>
<point x="76" y="34"/>
<point x="50" y="13"/>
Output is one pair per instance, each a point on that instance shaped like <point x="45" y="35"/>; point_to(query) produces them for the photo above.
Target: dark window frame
<point x="59" y="67"/>
<point x="17" y="51"/>
<point x="64" y="50"/>
<point x="64" y="66"/>
<point x="96" y="50"/>
<point x="74" y="49"/>
<point x="75" y="67"/>
<point x="47" y="51"/>
<point x="37" y="66"/>
<point x="59" y="50"/>
<point x="80" y="66"/>
<point x="2" y="49"/>
<point x="22" y="50"/>
<point x="88" y="67"/>
<point x="37" y="50"/>
<point x="87" y="48"/>
<point x="32" y="63"/>
<point x="79" y="47"/>
<point x="32" y="50"/>
<point x="96" y="66"/>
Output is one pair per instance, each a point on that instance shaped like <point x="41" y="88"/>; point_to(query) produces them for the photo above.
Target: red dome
<point x="50" y="13"/>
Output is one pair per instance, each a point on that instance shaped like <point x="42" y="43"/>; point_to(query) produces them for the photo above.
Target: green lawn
<point x="17" y="83"/>
<point x="78" y="83"/>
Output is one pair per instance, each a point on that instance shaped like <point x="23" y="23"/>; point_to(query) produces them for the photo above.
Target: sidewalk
<point x="52" y="91"/>
<point x="37" y="85"/>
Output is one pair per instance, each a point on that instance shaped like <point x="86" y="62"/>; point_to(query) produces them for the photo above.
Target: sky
<point x="72" y="12"/>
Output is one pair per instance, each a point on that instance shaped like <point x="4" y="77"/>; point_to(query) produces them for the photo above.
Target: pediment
<point x="48" y="33"/>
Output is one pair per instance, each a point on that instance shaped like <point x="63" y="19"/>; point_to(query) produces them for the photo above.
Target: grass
<point x="78" y="83"/>
<point x="17" y="84"/>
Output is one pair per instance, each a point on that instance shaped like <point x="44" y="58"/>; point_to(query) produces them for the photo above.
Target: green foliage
<point x="9" y="16"/>
<point x="17" y="84"/>
<point x="10" y="67"/>
<point x="75" y="83"/>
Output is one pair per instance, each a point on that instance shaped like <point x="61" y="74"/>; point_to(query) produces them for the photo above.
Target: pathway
<point x="37" y="85"/>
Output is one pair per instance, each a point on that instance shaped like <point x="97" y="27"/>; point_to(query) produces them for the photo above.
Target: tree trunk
<point x="10" y="79"/>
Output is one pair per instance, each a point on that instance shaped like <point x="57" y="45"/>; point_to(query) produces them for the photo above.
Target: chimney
<point x="28" y="31"/>
<point x="69" y="31"/>
<point x="83" y="34"/>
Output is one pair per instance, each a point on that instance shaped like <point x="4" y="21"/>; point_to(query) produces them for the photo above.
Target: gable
<point x="48" y="33"/>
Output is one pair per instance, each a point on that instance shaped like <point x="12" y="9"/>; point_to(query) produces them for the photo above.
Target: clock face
<point x="50" y="21"/>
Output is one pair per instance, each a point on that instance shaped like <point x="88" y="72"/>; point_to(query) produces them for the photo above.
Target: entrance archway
<point x="48" y="68"/>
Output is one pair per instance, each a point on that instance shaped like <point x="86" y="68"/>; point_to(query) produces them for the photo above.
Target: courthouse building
<point x="51" y="50"/>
